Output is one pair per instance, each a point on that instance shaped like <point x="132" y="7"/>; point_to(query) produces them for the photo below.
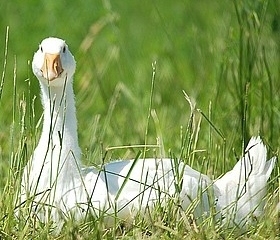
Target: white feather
<point x="244" y="187"/>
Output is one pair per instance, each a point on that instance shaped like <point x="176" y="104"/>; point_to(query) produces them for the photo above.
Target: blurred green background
<point x="196" y="46"/>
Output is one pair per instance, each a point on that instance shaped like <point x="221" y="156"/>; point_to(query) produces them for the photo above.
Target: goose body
<point x="57" y="186"/>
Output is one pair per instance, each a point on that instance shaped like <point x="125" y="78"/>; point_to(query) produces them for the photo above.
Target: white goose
<point x="56" y="186"/>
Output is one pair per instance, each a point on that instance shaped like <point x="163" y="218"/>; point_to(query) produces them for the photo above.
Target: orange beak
<point x="52" y="67"/>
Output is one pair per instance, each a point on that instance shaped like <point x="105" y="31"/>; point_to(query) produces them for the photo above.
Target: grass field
<point x="224" y="54"/>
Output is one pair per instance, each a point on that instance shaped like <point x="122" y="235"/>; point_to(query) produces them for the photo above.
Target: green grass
<point x="224" y="55"/>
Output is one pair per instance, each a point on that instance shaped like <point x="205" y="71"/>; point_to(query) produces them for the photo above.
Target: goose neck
<point x="60" y="124"/>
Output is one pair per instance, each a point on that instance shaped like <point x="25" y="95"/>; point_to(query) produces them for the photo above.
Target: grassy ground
<point x="225" y="55"/>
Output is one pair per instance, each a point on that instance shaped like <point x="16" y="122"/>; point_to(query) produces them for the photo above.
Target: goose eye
<point x="41" y="48"/>
<point x="64" y="49"/>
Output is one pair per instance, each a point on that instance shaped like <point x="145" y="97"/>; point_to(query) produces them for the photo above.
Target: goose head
<point x="53" y="64"/>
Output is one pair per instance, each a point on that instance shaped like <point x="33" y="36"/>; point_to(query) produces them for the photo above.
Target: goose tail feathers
<point x="242" y="190"/>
